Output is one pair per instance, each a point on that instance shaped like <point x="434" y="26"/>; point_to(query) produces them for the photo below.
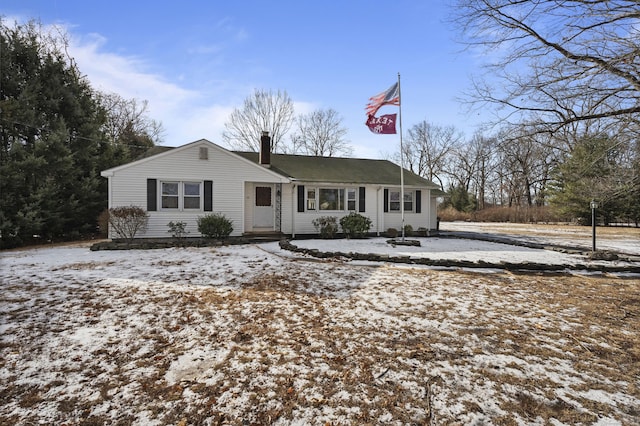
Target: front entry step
<point x="264" y="236"/>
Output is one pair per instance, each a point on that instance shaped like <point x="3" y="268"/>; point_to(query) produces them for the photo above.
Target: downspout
<point x="379" y="211"/>
<point x="293" y="212"/>
<point x="110" y="204"/>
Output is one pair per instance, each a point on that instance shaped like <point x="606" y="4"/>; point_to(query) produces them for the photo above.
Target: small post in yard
<point x="594" y="206"/>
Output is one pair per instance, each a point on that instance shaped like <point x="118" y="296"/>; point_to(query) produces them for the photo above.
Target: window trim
<point x="340" y="200"/>
<point x="162" y="195"/>
<point x="410" y="192"/>
<point x="312" y="205"/>
<point x="185" y="195"/>
<point x="347" y="199"/>
<point x="182" y="195"/>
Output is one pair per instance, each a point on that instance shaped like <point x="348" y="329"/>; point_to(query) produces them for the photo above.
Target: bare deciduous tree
<point x="556" y="62"/>
<point x="525" y="166"/>
<point x="262" y="111"/>
<point x="428" y="149"/>
<point x="321" y="133"/>
<point x="483" y="150"/>
<point x="128" y="116"/>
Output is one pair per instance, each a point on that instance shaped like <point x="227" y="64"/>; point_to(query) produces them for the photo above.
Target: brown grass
<point x="400" y="346"/>
<point x="553" y="230"/>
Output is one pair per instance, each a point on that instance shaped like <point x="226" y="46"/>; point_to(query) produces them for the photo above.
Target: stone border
<point x="150" y="244"/>
<point x="286" y="244"/>
<point x="525" y="267"/>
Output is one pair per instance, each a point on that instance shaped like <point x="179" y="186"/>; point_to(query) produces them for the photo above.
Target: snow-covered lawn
<point x="253" y="335"/>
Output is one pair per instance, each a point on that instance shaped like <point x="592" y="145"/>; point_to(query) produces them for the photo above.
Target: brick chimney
<point x="265" y="149"/>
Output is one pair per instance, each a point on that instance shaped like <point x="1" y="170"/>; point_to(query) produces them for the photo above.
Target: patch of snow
<point x="238" y="332"/>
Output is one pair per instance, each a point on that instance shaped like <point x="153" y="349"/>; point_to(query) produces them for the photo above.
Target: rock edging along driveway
<point x="449" y="263"/>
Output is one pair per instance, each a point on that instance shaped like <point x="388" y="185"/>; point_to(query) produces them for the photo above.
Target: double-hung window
<point x="394" y="201"/>
<point x="408" y="201"/>
<point x="311" y="199"/>
<point x="351" y="199"/>
<point x="170" y="195"/>
<point x="191" y="195"/>
<point x="181" y="195"/>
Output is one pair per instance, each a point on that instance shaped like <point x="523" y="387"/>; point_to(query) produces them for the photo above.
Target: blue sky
<point x="195" y="61"/>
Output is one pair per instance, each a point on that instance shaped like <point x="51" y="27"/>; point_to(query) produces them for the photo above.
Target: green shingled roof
<point x="339" y="170"/>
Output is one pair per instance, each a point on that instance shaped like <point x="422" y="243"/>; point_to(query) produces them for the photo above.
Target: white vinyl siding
<point x="228" y="172"/>
<point x="233" y="181"/>
<point x="374" y="210"/>
<point x="302" y="221"/>
<point x="393" y="219"/>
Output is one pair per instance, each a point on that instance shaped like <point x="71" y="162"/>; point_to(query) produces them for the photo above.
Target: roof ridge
<point x="282" y="154"/>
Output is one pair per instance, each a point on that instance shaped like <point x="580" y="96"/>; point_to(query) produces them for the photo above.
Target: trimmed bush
<point x="215" y="225"/>
<point x="327" y="226"/>
<point x="126" y="222"/>
<point x="355" y="225"/>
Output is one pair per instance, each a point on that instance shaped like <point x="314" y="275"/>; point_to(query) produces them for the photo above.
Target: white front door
<point x="263" y="207"/>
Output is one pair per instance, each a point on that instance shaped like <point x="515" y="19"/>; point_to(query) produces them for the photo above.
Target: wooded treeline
<point x="531" y="177"/>
<point x="56" y="134"/>
<point x="563" y="80"/>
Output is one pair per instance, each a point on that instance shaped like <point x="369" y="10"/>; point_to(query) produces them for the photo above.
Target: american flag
<point x="391" y="96"/>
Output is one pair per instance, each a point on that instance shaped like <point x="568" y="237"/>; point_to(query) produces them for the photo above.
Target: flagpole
<point x="401" y="157"/>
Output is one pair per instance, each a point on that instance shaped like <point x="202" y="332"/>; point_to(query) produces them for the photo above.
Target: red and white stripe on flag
<point x="391" y="96"/>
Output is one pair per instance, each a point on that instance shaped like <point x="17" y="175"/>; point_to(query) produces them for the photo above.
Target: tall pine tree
<point x="597" y="169"/>
<point x="52" y="141"/>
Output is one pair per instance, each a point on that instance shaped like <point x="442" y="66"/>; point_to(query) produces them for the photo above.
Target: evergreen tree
<point x="460" y="199"/>
<point x="592" y="171"/>
<point x="52" y="141"/>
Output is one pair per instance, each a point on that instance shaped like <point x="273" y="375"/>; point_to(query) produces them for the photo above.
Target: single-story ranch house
<point x="267" y="193"/>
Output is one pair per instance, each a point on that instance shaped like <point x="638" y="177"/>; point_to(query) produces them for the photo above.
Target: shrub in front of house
<point x="177" y="229"/>
<point x="355" y="225"/>
<point x="215" y="225"/>
<point x="327" y="226"/>
<point x="127" y="221"/>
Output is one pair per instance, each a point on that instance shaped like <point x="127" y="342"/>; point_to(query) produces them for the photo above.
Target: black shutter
<point x="386" y="200"/>
<point x="208" y="196"/>
<point x="152" y="195"/>
<point x="418" y="201"/>
<point x="300" y="198"/>
<point x="361" y="192"/>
